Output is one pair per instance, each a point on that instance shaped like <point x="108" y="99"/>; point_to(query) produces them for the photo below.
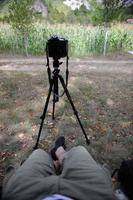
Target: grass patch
<point x="104" y="106"/>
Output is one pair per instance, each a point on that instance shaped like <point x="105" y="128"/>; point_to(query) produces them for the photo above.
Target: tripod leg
<point x="55" y="94"/>
<point x="53" y="117"/>
<point x="73" y="107"/>
<point x="44" y="114"/>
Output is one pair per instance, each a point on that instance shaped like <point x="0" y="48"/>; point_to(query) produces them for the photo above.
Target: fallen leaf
<point x="126" y="124"/>
<point x="110" y="102"/>
<point x="21" y="135"/>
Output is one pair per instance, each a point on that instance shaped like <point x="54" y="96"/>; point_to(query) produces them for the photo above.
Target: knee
<point x="79" y="150"/>
<point x="39" y="152"/>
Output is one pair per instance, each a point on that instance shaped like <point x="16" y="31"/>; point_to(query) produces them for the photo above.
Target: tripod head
<point x="56" y="63"/>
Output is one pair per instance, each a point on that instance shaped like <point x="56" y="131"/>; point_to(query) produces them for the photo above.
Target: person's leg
<point x="38" y="164"/>
<point x="11" y="169"/>
<point x="35" y="176"/>
<point x="81" y="177"/>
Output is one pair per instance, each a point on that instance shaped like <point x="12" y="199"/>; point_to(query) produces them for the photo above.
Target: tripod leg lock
<point x="41" y="117"/>
<point x="75" y="112"/>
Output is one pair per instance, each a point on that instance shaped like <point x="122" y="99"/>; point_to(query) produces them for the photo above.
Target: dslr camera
<point x="57" y="47"/>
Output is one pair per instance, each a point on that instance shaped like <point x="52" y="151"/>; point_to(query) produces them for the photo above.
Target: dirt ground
<point x="102" y="91"/>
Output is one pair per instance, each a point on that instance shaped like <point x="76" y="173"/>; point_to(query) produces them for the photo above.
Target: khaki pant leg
<point x="38" y="164"/>
<point x="34" y="179"/>
<point x="82" y="178"/>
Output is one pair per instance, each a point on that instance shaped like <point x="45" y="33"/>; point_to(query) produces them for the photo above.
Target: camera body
<point x="57" y="47"/>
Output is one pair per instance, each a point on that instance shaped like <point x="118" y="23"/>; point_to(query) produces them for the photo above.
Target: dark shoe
<point x="9" y="169"/>
<point x="60" y="142"/>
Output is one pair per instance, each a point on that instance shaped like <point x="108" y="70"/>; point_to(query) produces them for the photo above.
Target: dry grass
<point x="104" y="103"/>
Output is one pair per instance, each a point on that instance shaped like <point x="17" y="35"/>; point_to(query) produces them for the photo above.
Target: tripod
<point x="54" y="88"/>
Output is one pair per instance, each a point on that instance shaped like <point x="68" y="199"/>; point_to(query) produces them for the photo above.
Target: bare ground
<point x="102" y="91"/>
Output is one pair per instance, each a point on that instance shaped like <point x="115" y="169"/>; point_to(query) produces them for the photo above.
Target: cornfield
<point x="83" y="41"/>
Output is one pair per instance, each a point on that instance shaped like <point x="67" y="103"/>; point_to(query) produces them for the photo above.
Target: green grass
<point x="83" y="41"/>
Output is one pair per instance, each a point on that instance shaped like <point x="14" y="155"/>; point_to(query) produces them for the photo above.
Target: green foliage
<point x="82" y="16"/>
<point x="3" y="10"/>
<point x="59" y="12"/>
<point x="96" y="14"/>
<point x="107" y="12"/>
<point x="20" y="15"/>
<point x="83" y="41"/>
<point x="21" y="19"/>
<point x="56" y="10"/>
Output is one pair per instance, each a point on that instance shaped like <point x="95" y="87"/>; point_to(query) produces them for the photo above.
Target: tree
<point x="102" y="10"/>
<point x="21" y="18"/>
<point x="114" y="9"/>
